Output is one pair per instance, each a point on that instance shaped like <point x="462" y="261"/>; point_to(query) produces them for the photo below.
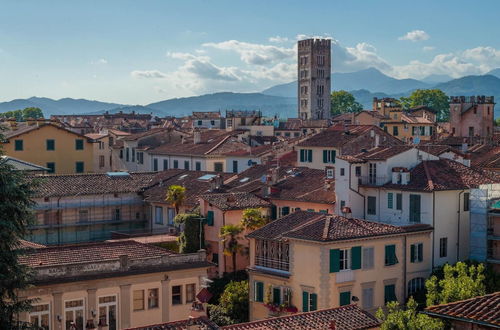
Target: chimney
<point x="197" y="137"/>
<point x="123" y="261"/>
<point x="328" y="185"/>
<point x="31" y="121"/>
<point x="377" y="140"/>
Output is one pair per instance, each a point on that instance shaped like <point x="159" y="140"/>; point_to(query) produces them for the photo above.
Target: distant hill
<point x="63" y="106"/>
<point x="268" y="104"/>
<point x="127" y="109"/>
<point x="495" y="72"/>
<point x="472" y="85"/>
<point x="436" y="78"/>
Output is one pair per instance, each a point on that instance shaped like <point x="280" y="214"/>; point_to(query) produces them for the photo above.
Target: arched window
<point x="416" y="285"/>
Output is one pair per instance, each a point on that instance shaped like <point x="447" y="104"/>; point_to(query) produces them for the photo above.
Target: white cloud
<point x="362" y="56"/>
<point x="428" y="48"/>
<point x="148" y="74"/>
<point x="203" y="68"/>
<point x="484" y="55"/>
<point x="415" y="35"/>
<point x="255" y="54"/>
<point x="278" y="39"/>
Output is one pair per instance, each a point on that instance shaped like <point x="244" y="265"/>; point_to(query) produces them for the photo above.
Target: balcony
<point x="372" y="180"/>
<point x="272" y="264"/>
<point x="344" y="276"/>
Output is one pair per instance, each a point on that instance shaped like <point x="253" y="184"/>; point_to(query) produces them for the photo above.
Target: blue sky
<point x="139" y="52"/>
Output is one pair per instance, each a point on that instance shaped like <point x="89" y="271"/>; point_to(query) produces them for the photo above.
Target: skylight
<point x="117" y="174"/>
<point x="182" y="177"/>
<point x="244" y="179"/>
<point x="206" y="177"/>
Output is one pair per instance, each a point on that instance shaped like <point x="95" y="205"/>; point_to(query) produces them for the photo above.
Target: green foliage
<point x="219" y="315"/>
<point x="433" y="98"/>
<point x="343" y="101"/>
<point x="218" y="285"/>
<point x="230" y="236"/>
<point x="233" y="306"/>
<point x="497" y="122"/>
<point x="253" y="219"/>
<point x="16" y="204"/>
<point x="459" y="282"/>
<point x="175" y="196"/>
<point x="23" y="115"/>
<point x="189" y="239"/>
<point x="171" y="245"/>
<point x="407" y="318"/>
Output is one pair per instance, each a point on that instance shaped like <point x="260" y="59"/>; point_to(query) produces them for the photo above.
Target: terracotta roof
<point x="24" y="244"/>
<point x="188" y="179"/>
<point x="250" y="151"/>
<point x="95" y="136"/>
<point x="383" y="153"/>
<point x="235" y="200"/>
<point x="374" y="114"/>
<point x="352" y="139"/>
<point x="94" y="184"/>
<point x="422" y="107"/>
<point x="211" y="143"/>
<point x="118" y="132"/>
<point x="206" y="115"/>
<point x="89" y="252"/>
<point x="323" y="227"/>
<point x="137" y="136"/>
<point x="483" y="310"/>
<point x="438" y="149"/>
<point x="199" y="323"/>
<point x="29" y="128"/>
<point x="21" y="165"/>
<point x="485" y="156"/>
<point x="410" y="118"/>
<point x="349" y="317"/>
<point x="445" y="174"/>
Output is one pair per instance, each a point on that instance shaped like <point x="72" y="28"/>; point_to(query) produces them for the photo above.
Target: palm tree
<point x="175" y="196"/>
<point x="253" y="219"/>
<point x="229" y="234"/>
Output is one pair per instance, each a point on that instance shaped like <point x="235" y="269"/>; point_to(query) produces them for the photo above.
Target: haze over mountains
<point x="279" y="99"/>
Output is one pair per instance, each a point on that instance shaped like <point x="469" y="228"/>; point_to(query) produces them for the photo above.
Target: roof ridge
<point x="218" y="144"/>
<point x="464" y="300"/>
<point x="428" y="175"/>
<point x="326" y="228"/>
<point x="314" y="219"/>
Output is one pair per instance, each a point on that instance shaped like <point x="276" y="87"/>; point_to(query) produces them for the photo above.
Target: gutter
<point x="433" y="225"/>
<point x="460" y="319"/>
<point x="458" y="229"/>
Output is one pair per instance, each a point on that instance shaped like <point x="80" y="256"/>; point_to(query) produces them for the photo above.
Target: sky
<point x="138" y="52"/>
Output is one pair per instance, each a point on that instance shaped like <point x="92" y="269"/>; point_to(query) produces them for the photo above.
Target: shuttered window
<point x="390" y="255"/>
<point x="345" y="298"/>
<point x="416" y="252"/>
<point x="415" y="208"/>
<point x="372" y="205"/>
<point x="18" y="145"/>
<point x="334" y="260"/>
<point x="309" y="301"/>
<point x="259" y="291"/>
<point x="79" y="144"/>
<point x="368" y="256"/>
<point x="390" y="200"/>
<point x="306" y="155"/>
<point x="356" y="257"/>
<point x="329" y="156"/>
<point x="276" y="296"/>
<point x="367" y="297"/>
<point x="285" y="210"/>
<point x="210" y="218"/>
<point x="390" y="293"/>
<point x="399" y="201"/>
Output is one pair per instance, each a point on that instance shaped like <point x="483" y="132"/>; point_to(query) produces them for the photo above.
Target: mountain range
<point x="277" y="100"/>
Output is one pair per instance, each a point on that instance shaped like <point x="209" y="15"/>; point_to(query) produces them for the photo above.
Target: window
<point x="140" y="157"/>
<point x="210" y="218"/>
<point x="417" y="252"/>
<point x="212" y="122"/>
<point x="133" y="154"/>
<point x="329" y="156"/>
<point x="155" y="164"/>
<point x="79" y="144"/>
<point x="107" y="312"/>
<point x="422" y="130"/>
<point x="358" y="171"/>
<point x="466" y="201"/>
<point x="235" y="166"/>
<point x="101" y="161"/>
<point x="390" y="200"/>
<point x="165" y="164"/>
<point x="390" y="255"/>
<point x="344" y="259"/>
<point x="176" y="163"/>
<point x="215" y="258"/>
<point x="443" y="247"/>
<point x="390" y="293"/>
<point x="153" y="299"/>
<point x="79" y="167"/>
<point x="306" y="155"/>
<point x="200" y="122"/>
<point x="51" y="144"/>
<point x="40" y="316"/>
<point x="415" y="208"/>
<point x="399" y="201"/>
<point x="258" y="291"/>
<point x="309" y="301"/>
<point x="138" y="300"/>
<point x="117" y="215"/>
<point x="127" y="154"/>
<point x="372" y="173"/>
<point x="395" y="131"/>
<point x="415" y="285"/>
<point x="218" y="167"/>
<point x="372" y="205"/>
<point x="158" y="215"/>
<point x="190" y="293"/>
<point x="342" y="204"/>
<point x="342" y="171"/>
<point x="176" y="294"/>
<point x="170" y="216"/>
<point x="18" y="145"/>
<point x="368" y="257"/>
<point x="345" y="298"/>
<point x="186" y="165"/>
<point x="367" y="296"/>
<point x="285" y="210"/>
<point x="198" y="166"/>
<point x="51" y="167"/>
<point x="330" y="173"/>
<point x="121" y="154"/>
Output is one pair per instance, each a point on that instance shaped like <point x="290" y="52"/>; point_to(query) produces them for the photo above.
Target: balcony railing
<point x="344" y="276"/>
<point x="272" y="263"/>
<point x="372" y="180"/>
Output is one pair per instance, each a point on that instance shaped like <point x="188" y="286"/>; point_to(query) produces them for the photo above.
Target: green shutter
<point x="399" y="201"/>
<point x="356" y="257"/>
<point x="390" y="255"/>
<point x="210" y="218"/>
<point x="389" y="293"/>
<point x="334" y="260"/>
<point x="18" y="145"/>
<point x="415" y="208"/>
<point x="309" y="156"/>
<point x="325" y="156"/>
<point x="420" y="252"/>
<point x="412" y="253"/>
<point x="276" y="296"/>
<point x="259" y="291"/>
<point x="302" y="153"/>
<point x="305" y="301"/>
<point x="334" y="155"/>
<point x="314" y="301"/>
<point x="345" y="298"/>
<point x="390" y="200"/>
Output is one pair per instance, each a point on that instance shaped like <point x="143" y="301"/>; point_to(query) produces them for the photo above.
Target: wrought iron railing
<point x="272" y="263"/>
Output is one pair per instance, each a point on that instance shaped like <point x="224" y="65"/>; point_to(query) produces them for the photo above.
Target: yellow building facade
<point x="51" y="146"/>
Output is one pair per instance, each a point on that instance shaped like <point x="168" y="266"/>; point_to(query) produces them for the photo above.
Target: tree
<point x="230" y="233"/>
<point x="234" y="301"/>
<point x="433" y="98"/>
<point x="252" y="219"/>
<point x="459" y="282"/>
<point x="175" y="196"/>
<point x="191" y="238"/>
<point x="32" y="112"/>
<point x="406" y="318"/>
<point x="343" y="101"/>
<point x="16" y="204"/>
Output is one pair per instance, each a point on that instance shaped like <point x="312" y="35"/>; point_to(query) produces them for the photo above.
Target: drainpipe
<point x="364" y="202"/>
<point x="404" y="268"/>
<point x="458" y="229"/>
<point x="433" y="225"/>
